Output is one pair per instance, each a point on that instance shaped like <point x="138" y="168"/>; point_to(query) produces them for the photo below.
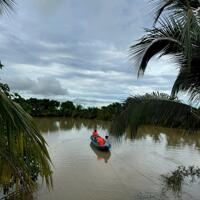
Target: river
<point x="130" y="171"/>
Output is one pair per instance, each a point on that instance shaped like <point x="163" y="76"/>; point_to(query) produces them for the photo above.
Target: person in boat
<point x="100" y="141"/>
<point x="95" y="134"/>
<point x="106" y="137"/>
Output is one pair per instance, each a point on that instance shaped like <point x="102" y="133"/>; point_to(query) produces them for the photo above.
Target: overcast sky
<point x="78" y="50"/>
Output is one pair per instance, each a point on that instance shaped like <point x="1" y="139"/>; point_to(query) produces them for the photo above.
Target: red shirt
<point x="100" y="141"/>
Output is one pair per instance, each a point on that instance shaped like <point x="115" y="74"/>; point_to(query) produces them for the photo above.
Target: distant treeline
<point x="45" y="107"/>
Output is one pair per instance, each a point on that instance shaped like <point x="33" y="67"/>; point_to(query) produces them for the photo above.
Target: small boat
<point x="105" y="147"/>
<point x="100" y="155"/>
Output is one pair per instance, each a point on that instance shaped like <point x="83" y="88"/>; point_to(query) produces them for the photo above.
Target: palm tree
<point x="177" y="35"/>
<point x="23" y="151"/>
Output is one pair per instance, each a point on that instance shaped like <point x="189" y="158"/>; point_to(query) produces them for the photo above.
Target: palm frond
<point x="184" y="11"/>
<point x="181" y="39"/>
<point x="6" y="6"/>
<point x="160" y="7"/>
<point x="159" y="110"/>
<point x="189" y="80"/>
<point x="175" y="8"/>
<point x="163" y="41"/>
<point x="22" y="147"/>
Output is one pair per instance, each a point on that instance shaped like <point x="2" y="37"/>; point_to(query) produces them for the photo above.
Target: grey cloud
<point x="21" y="83"/>
<point x="79" y="45"/>
<point x="48" y="86"/>
<point x="44" y="86"/>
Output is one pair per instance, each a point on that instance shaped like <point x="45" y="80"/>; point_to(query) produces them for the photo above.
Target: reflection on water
<point x="48" y="125"/>
<point x="173" y="137"/>
<point x="101" y="155"/>
<point x="131" y="170"/>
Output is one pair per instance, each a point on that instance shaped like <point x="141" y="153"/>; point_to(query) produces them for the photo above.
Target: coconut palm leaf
<point x="186" y="12"/>
<point x="180" y="39"/>
<point x="177" y="8"/>
<point x="164" y="40"/>
<point x="22" y="147"/>
<point x="155" y="109"/>
<point x="6" y="6"/>
<point x="188" y="80"/>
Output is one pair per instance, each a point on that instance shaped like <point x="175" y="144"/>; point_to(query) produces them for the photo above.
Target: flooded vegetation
<point x="137" y="163"/>
<point x="175" y="179"/>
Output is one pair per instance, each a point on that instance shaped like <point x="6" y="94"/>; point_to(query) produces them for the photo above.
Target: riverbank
<point x="52" y="108"/>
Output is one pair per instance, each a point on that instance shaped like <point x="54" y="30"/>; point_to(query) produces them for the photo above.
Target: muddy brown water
<point x="131" y="170"/>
